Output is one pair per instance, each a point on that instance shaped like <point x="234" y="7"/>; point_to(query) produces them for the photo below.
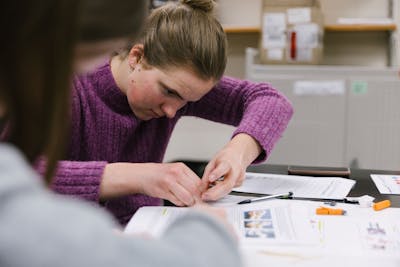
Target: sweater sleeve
<point x="64" y="232"/>
<point x="77" y="178"/>
<point x="256" y="109"/>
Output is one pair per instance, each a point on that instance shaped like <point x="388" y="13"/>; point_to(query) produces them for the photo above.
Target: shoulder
<point x="15" y="171"/>
<point x="101" y="74"/>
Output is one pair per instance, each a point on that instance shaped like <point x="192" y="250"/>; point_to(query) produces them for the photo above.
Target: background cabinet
<point x="361" y="45"/>
<point x="360" y="127"/>
<point x="347" y="116"/>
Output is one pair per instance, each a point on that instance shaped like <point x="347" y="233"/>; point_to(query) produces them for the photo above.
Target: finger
<point x="204" y="180"/>
<point x="182" y="194"/>
<point x="191" y="182"/>
<point x="220" y="169"/>
<point x="172" y="198"/>
<point x="218" y="191"/>
<point x="240" y="180"/>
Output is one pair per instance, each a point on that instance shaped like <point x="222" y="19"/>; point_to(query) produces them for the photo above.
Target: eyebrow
<point x="172" y="90"/>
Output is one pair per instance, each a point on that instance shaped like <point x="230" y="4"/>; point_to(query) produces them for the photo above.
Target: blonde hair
<point x="186" y="33"/>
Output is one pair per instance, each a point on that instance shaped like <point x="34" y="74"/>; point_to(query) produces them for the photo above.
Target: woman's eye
<point x="170" y="93"/>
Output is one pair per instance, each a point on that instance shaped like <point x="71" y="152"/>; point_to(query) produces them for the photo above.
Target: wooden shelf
<point x="328" y="28"/>
<point x="242" y="29"/>
<point x="359" y="27"/>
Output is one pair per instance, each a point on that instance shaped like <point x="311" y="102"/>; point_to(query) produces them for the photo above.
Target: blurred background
<point x="337" y="61"/>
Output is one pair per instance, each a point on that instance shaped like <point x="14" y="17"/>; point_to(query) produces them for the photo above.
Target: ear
<point x="135" y="55"/>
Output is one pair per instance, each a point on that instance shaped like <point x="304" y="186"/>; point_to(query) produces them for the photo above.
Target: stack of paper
<point x="301" y="186"/>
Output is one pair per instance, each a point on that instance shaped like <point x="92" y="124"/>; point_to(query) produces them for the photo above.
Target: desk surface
<point x="364" y="184"/>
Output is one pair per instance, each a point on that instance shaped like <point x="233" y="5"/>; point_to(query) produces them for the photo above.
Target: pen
<point x="285" y="195"/>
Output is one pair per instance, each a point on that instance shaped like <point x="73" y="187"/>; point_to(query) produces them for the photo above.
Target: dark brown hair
<point x="35" y="73"/>
<point x="37" y="60"/>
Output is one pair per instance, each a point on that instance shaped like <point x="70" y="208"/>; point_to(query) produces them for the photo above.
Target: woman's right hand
<point x="172" y="181"/>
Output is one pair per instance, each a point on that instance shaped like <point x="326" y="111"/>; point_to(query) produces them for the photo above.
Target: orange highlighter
<point x="329" y="211"/>
<point x="381" y="205"/>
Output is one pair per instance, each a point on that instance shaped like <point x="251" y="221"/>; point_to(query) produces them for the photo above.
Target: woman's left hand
<point x="228" y="167"/>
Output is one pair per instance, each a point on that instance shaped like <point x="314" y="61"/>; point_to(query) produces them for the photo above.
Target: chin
<point x="144" y="117"/>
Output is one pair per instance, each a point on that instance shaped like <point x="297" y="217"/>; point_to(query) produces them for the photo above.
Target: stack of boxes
<point x="292" y="32"/>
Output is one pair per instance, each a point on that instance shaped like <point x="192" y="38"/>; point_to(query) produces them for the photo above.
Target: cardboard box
<point x="292" y="32"/>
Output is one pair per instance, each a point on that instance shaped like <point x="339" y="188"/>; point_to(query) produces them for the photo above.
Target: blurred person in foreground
<point x="47" y="41"/>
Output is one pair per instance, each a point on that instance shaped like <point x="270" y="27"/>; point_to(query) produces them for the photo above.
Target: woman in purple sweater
<point x="124" y="113"/>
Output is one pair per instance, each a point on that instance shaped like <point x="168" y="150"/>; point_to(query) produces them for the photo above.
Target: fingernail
<point x="212" y="178"/>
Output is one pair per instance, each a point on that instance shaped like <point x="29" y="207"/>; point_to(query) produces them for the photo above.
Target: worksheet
<point x="387" y="184"/>
<point x="301" y="186"/>
<point x="283" y="232"/>
<point x="275" y="222"/>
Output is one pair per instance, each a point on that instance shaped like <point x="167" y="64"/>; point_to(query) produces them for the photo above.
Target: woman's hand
<point x="227" y="169"/>
<point x="172" y="181"/>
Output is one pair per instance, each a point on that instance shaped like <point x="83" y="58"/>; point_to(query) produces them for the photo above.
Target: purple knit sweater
<point x="105" y="130"/>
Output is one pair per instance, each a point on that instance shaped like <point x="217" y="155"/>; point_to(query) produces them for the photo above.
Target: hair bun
<point x="204" y="5"/>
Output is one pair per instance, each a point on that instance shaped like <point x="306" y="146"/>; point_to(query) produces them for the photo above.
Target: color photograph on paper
<point x="258" y="224"/>
<point x="262" y="214"/>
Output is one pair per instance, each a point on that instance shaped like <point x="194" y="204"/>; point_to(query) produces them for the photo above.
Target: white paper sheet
<point x="322" y="88"/>
<point x="288" y="232"/>
<point x="301" y="186"/>
<point x="278" y="222"/>
<point x="274" y="27"/>
<point x="387" y="184"/>
<point x="299" y="15"/>
<point x="228" y="200"/>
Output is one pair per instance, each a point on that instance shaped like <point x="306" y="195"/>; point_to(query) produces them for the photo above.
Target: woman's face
<point x="154" y="93"/>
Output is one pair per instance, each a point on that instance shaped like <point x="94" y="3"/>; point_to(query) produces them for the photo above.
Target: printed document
<point x="387" y="184"/>
<point x="283" y="232"/>
<point x="279" y="222"/>
<point x="301" y="186"/>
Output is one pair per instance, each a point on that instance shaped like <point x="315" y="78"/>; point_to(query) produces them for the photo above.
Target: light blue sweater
<point x="41" y="229"/>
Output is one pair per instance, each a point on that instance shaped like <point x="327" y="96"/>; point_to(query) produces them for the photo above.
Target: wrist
<point x="247" y="146"/>
<point x="118" y="180"/>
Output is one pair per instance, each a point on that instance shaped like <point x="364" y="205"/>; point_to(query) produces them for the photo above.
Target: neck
<point x="120" y="72"/>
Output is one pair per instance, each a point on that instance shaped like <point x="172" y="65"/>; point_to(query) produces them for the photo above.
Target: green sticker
<point x="359" y="87"/>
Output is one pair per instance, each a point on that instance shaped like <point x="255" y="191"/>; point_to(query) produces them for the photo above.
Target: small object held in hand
<point x="381" y="205"/>
<point x="220" y="179"/>
<point x="329" y="211"/>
